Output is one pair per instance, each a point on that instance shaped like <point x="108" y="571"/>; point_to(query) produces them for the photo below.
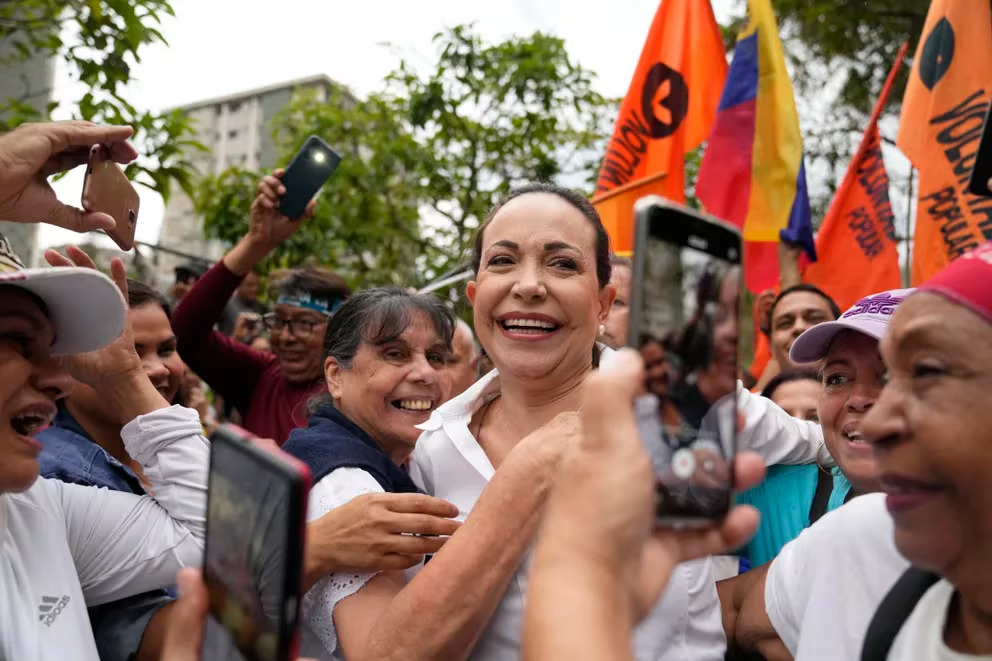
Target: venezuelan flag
<point x="752" y="173"/>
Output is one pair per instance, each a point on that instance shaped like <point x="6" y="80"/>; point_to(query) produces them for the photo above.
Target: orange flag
<point x="856" y="245"/>
<point x="668" y="110"/>
<point x="942" y="114"/>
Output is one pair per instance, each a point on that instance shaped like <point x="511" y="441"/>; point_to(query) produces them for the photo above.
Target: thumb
<point x="184" y="638"/>
<point x="77" y="220"/>
<point x="608" y="399"/>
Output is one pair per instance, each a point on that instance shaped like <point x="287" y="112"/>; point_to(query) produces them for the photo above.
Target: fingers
<point x="184" y="637"/>
<point x="119" y="275"/>
<point x="608" y="400"/>
<point x="749" y="470"/>
<point x="77" y="220"/>
<point x="734" y="531"/>
<point x="308" y="212"/>
<point x="271" y="186"/>
<point x="65" y="135"/>
<point x="414" y="545"/>
<point x="54" y="258"/>
<point x="79" y="257"/>
<point x="422" y="524"/>
<point x="418" y="503"/>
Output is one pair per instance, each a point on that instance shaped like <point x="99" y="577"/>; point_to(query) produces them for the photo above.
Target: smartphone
<point x="684" y="319"/>
<point x="981" y="173"/>
<point x="107" y="189"/>
<point x="253" y="564"/>
<point x="312" y="166"/>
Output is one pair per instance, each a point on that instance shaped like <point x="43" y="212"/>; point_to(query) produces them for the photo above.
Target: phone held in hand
<point x="108" y="190"/>
<point x="981" y="173"/>
<point x="684" y="319"/>
<point x="312" y="166"/>
<point x="253" y="564"/>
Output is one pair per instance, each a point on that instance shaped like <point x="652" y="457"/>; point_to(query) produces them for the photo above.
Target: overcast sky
<point x="219" y="47"/>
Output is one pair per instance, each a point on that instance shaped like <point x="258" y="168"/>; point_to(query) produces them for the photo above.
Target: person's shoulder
<point x="66" y="455"/>
<point x="342" y="485"/>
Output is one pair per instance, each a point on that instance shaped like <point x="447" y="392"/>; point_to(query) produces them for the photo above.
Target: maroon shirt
<point x="251" y="380"/>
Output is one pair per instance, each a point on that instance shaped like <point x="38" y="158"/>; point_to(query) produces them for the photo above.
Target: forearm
<point x="569" y="596"/>
<point x="456" y="593"/>
<point x="245" y="256"/>
<point x="774" y="434"/>
<point x="174" y="457"/>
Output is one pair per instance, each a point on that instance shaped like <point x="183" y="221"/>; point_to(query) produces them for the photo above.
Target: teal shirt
<point x="784" y="500"/>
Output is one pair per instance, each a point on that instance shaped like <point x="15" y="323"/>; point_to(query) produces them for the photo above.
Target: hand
<point x="550" y="444"/>
<point x="117" y="358"/>
<point x="32" y="152"/>
<point x="376" y="532"/>
<point x="602" y="509"/>
<point x="184" y="637"/>
<point x="763" y="310"/>
<point x="267" y="227"/>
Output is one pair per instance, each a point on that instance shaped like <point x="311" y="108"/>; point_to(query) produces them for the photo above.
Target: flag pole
<point x="907" y="272"/>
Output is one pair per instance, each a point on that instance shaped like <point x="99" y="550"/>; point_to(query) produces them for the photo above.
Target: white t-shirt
<point x="64" y="547"/>
<point x="686" y="623"/>
<point x="824" y="586"/>
<point x="332" y="491"/>
<point x="922" y="635"/>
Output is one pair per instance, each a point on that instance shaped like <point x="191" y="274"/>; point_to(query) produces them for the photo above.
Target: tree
<point x="99" y="41"/>
<point x="366" y="223"/>
<point x="427" y="156"/>
<point x="848" y="47"/>
<point x="493" y="117"/>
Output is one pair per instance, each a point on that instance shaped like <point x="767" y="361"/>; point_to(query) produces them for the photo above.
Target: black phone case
<point x="982" y="172"/>
<point x="304" y="176"/>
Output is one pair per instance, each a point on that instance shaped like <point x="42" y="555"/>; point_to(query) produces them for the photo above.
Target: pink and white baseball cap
<point x="85" y="307"/>
<point x="870" y="316"/>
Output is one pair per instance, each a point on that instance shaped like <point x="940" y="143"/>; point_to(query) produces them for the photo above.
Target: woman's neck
<point x="969" y="622"/>
<point x="531" y="404"/>
<point x="104" y="433"/>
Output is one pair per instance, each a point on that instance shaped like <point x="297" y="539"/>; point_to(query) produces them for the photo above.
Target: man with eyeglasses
<point x="270" y="390"/>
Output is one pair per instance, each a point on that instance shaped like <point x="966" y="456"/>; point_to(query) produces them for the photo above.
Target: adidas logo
<point x="51" y="608"/>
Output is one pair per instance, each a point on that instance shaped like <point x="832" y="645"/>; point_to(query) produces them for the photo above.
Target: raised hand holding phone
<point x="285" y="201"/>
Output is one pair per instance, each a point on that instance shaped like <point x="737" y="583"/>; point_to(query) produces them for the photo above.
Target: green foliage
<point x="496" y="116"/>
<point x="427" y="156"/>
<point x="99" y="42"/>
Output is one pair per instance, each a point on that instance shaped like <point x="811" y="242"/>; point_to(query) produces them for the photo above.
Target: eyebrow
<point x="836" y="361"/>
<point x="548" y="247"/>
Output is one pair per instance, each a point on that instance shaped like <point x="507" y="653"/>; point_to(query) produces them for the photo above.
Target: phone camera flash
<point x="319" y="157"/>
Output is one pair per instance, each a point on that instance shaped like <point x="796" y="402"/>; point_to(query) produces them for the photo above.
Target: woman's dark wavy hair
<point x="573" y="197"/>
<point x="377" y="316"/>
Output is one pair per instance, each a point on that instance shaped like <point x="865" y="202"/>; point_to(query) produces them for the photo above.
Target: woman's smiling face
<point x="537" y="300"/>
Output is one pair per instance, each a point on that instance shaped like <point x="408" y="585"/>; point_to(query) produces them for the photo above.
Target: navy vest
<point x="331" y="441"/>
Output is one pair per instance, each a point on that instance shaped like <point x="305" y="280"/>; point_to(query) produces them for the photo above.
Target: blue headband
<point x="305" y="299"/>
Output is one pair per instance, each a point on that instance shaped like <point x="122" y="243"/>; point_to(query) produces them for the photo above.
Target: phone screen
<point x="684" y="320"/>
<point x="253" y="548"/>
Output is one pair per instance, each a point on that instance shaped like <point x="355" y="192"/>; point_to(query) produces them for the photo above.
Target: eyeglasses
<point x="301" y="328"/>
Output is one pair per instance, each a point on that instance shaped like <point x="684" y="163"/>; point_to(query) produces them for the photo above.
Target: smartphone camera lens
<point x="130" y="216"/>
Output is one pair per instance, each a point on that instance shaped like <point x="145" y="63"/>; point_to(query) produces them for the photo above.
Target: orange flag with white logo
<point x="948" y="93"/>
<point x="669" y="110"/>
<point x="856" y="245"/>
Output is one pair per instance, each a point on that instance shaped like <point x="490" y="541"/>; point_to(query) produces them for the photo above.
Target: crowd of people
<point x="480" y="490"/>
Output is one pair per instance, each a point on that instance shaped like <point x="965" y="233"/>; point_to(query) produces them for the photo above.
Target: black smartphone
<point x="684" y="319"/>
<point x="981" y="173"/>
<point x="312" y="166"/>
<point x="253" y="564"/>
